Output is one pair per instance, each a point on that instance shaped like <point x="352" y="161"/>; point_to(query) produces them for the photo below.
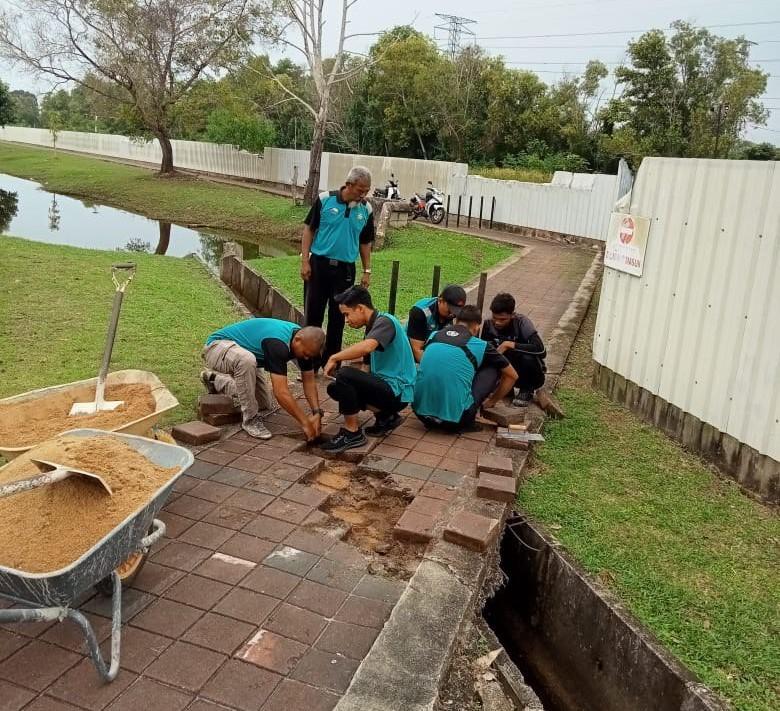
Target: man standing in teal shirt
<point x="388" y="387"/>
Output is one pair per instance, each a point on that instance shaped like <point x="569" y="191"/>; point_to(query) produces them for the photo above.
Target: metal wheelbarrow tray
<point x="164" y="401"/>
<point x="53" y="596"/>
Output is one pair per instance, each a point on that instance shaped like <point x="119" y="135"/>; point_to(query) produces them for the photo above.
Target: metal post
<point x="492" y="211"/>
<point x="447" y="215"/>
<point x="481" y="290"/>
<point x="393" y="287"/>
<point x="436" y="280"/>
<point x="481" y="203"/>
<point x="471" y="199"/>
<point x="457" y="221"/>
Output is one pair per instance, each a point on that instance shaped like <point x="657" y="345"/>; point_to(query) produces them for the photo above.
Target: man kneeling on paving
<point x="236" y="354"/>
<point x="458" y="374"/>
<point x="387" y="388"/>
<point x="432" y="314"/>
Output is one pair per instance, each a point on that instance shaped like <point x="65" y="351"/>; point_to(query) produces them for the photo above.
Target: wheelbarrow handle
<point x="123" y="265"/>
<point x="159" y="531"/>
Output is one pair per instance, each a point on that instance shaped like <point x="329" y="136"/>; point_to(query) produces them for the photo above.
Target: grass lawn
<point x="694" y="558"/>
<point x="526" y="175"/>
<point x="183" y="200"/>
<point x="54" y="306"/>
<point x="418" y="249"/>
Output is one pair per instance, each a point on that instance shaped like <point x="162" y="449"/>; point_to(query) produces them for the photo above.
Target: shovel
<point x="51" y="474"/>
<point x="99" y="404"/>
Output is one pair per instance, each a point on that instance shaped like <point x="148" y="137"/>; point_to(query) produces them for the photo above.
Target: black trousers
<point x="530" y="371"/>
<point x="328" y="278"/>
<point x="485" y="383"/>
<point x="354" y="390"/>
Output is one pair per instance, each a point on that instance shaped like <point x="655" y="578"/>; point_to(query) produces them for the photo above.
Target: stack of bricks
<point x="218" y="410"/>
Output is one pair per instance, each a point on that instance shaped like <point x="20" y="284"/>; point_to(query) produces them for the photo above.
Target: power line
<point x="455" y="27"/>
<point x="609" y="64"/>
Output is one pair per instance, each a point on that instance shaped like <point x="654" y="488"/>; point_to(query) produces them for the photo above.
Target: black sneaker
<point x="383" y="425"/>
<point x="344" y="440"/>
<point x="207" y="378"/>
<point x="523" y="399"/>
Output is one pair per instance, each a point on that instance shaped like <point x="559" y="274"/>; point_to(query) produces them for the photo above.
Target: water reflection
<point x="27" y="210"/>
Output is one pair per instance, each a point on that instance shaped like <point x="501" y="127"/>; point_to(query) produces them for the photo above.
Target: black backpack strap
<point x="472" y="358"/>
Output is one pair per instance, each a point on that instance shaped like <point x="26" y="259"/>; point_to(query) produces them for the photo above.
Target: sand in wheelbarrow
<point x="49" y="528"/>
<point x="26" y="423"/>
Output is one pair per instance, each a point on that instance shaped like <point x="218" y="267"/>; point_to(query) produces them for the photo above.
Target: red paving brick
<point x="14" y="697"/>
<point x="496" y="488"/>
<point x="306" y="495"/>
<point x="352" y="641"/>
<point x="232" y="477"/>
<point x="431" y="448"/>
<point x="231" y="517"/>
<point x="472" y="530"/>
<point x="219" y="633"/>
<point x="437" y="491"/>
<point x="325" y="669"/>
<point x="270" y="581"/>
<point x="150" y="695"/>
<point x="9" y="643"/>
<point x="246" y="547"/>
<point x="292" y="695"/>
<point x="317" y="598"/>
<point x="206" y="535"/>
<point x="246" y="605"/>
<point x="296" y="623"/>
<point x="495" y="464"/>
<point x="335" y="575"/>
<point x="190" y="507"/>
<point x="272" y="651"/>
<point x="47" y="703"/>
<point x="247" y="463"/>
<point x="225" y="568"/>
<point x="199" y="592"/>
<point x="457" y="465"/>
<point x="167" y="617"/>
<point x="84" y="687"/>
<point x="68" y="634"/>
<point x="413" y="527"/>
<point x="288" y="472"/>
<point x="242" y="686"/>
<point x="386" y="450"/>
<point x="140" y="648"/>
<point x="196" y="433"/>
<point x="212" y="491"/>
<point x="464" y="455"/>
<point x="427" y="506"/>
<point x="271" y="529"/>
<point x="427" y="460"/>
<point x="185" y="666"/>
<point x="252" y="501"/>
<point x="317" y="543"/>
<point x="216" y="456"/>
<point x="37" y="665"/>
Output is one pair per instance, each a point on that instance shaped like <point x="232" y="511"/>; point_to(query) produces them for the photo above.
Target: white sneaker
<point x="256" y="428"/>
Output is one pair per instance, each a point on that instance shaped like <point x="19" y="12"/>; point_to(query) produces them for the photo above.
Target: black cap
<point x="455" y="296"/>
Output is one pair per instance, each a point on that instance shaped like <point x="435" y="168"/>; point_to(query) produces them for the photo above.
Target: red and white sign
<point x="627" y="243"/>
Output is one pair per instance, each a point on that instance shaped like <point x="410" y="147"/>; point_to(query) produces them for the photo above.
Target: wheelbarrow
<point x="54" y="596"/>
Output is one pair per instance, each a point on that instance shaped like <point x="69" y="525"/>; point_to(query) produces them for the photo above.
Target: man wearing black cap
<point x="432" y="314"/>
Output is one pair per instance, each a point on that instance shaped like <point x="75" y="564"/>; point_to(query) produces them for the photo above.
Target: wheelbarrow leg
<point x="108" y="673"/>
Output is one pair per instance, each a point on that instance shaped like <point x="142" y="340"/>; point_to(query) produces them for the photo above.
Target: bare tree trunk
<point x="315" y="160"/>
<point x="166" y="165"/>
<point x="165" y="238"/>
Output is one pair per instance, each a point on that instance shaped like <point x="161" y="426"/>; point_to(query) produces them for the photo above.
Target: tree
<point x="759" y="151"/>
<point x="6" y="106"/>
<point x="152" y="51"/>
<point x="25" y="108"/>
<point x="250" y="133"/>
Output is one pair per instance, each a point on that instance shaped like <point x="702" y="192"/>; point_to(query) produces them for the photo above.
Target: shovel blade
<point x="90" y="408"/>
<point x="47" y="467"/>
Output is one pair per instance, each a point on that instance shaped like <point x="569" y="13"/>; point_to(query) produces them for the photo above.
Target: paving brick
<point x="437" y="491"/>
<point x="69" y="635"/>
<point x="14" y="697"/>
<point x="409" y="432"/>
<point x="232" y="477"/>
<point x="247" y="547"/>
<point x="415" y="471"/>
<point x="383" y="589"/>
<point x="335" y="575"/>
<point x="271" y="581"/>
<point x="447" y="479"/>
<point x="272" y="651"/>
<point x="326" y="670"/>
<point x="196" y="433"/>
<point x="306" y="495"/>
<point x="267" y="452"/>
<point x="189" y="507"/>
<point x="306" y="461"/>
<point x="291" y="560"/>
<point x="505" y="440"/>
<point x="185" y="666"/>
<point x="204" y="705"/>
<point x="347" y="555"/>
<point x="472" y="530"/>
<point x="253" y="501"/>
<point x="440" y="438"/>
<point x="414" y="528"/>
<point x="10" y="643"/>
<point x="202" y="470"/>
<point x="47" y="703"/>
<point x="167" y="617"/>
<point x="220" y="420"/>
<point x="219" y="633"/>
<point x="199" y="592"/>
<point x="225" y="568"/>
<point x="479" y="436"/>
<point x="288" y="472"/>
<point x="504" y="415"/>
<point x="248" y="463"/>
<point x="140" y="648"/>
<point x="352" y="641"/>
<point x="296" y="623"/>
<point x="206" y="535"/>
<point x="246" y="605"/>
<point x="316" y="519"/>
<point x="292" y="695"/>
<point x="174" y="525"/>
<point x="495" y="464"/>
<point x="37" y="665"/>
<point x="470" y="445"/>
<point x="387" y="450"/>
<point x="216" y="456"/>
<point x="184" y="483"/>
<point x="267" y="484"/>
<point x="231" y="517"/>
<point x="433" y="448"/>
<point x="232" y="445"/>
<point x="285" y="444"/>
<point x="427" y="506"/>
<point x="317" y="598"/>
<point x="242" y="686"/>
<point x="398" y="440"/>
<point x="374" y="465"/>
<point x="362" y="611"/>
<point x="156" y="579"/>
<point x="464" y="455"/>
<point x="84" y="687"/>
<point x="310" y="541"/>
<point x="212" y="491"/>
<point x="431" y="461"/>
<point x="496" y="488"/>
<point x="398" y="481"/>
<point x="457" y="465"/>
<point x="179" y="555"/>
<point x="213" y="403"/>
<point x="133" y="602"/>
<point x="150" y="695"/>
<point x="269" y="528"/>
<point x="289" y="511"/>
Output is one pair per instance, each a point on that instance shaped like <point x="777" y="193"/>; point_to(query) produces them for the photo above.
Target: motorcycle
<point x="390" y="191"/>
<point x="431" y="207"/>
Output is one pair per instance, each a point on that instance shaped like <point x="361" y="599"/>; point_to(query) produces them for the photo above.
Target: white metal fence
<point x="701" y="327"/>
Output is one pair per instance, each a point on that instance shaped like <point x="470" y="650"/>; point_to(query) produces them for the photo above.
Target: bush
<point x="250" y="133"/>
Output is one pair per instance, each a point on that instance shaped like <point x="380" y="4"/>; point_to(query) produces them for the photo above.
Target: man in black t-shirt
<point x="515" y="336"/>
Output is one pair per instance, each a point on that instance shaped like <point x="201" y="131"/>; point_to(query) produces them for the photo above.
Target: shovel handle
<point x="35" y="482"/>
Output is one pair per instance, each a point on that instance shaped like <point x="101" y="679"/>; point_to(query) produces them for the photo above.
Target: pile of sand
<point x="26" y="423"/>
<point x="48" y="528"/>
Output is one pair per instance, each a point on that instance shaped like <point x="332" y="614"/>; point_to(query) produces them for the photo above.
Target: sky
<point x="585" y="29"/>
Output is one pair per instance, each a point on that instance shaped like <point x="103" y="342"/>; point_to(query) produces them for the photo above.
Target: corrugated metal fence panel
<point x="701" y="327"/>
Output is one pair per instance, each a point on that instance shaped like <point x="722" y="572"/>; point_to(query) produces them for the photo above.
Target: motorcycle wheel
<point x="437" y="215"/>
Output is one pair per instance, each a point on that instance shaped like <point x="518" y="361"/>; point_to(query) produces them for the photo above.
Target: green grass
<point x="54" y="306"/>
<point x="418" y="249"/>
<point x="527" y="175"/>
<point x="692" y="556"/>
<point x="183" y="200"/>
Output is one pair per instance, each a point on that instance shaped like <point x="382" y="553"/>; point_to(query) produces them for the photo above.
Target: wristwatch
<point x="319" y="412"/>
<point x="366" y="271"/>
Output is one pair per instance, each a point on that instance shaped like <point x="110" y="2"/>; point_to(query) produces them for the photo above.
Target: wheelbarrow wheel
<point x="128" y="571"/>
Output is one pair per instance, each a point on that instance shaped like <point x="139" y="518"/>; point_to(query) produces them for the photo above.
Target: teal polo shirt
<point x="340" y="228"/>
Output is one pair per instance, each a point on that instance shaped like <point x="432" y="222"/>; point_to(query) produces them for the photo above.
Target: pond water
<point x="28" y="210"/>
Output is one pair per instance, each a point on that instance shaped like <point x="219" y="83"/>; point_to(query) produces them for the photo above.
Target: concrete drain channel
<point x="575" y="646"/>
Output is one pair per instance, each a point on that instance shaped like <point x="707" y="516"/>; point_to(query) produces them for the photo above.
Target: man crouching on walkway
<point x="236" y="354"/>
<point x="388" y="387"/>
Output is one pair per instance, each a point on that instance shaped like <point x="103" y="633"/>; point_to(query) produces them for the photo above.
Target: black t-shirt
<point x="276" y="355"/>
<point x="417" y="325"/>
<point x="381" y="329"/>
<point x="493" y="359"/>
<point x="520" y="330"/>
